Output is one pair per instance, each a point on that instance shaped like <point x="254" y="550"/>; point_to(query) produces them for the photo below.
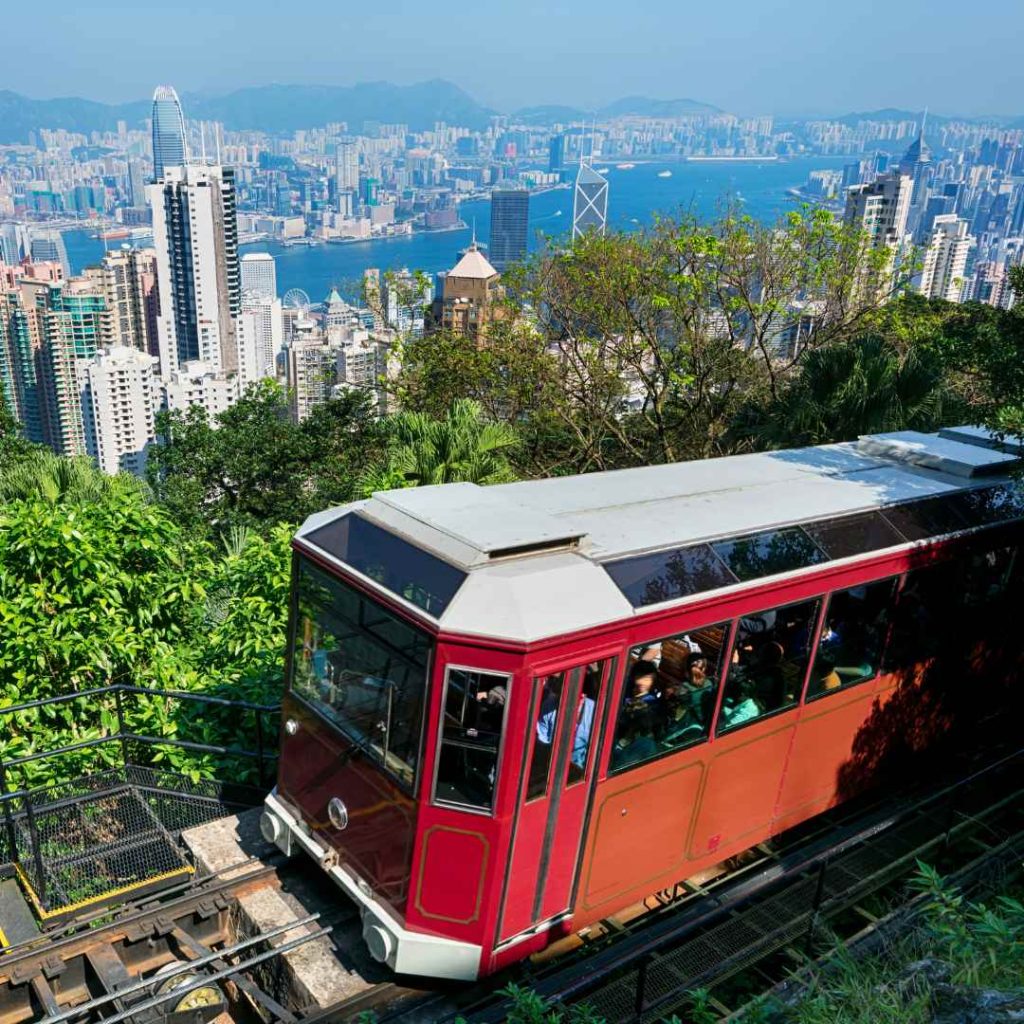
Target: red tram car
<point x="512" y="711"/>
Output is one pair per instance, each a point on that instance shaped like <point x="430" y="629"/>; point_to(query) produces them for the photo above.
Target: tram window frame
<point x="499" y="750"/>
<point x="727" y="626"/>
<point x="800" y="682"/>
<point x="320" y="692"/>
<point x="894" y="583"/>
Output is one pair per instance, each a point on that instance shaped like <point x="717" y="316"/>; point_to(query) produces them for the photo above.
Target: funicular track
<point x="169" y="958"/>
<point x="767" y="917"/>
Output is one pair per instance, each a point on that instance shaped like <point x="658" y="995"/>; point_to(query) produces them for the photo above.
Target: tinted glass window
<point x="854" y="535"/>
<point x="768" y="553"/>
<point x="474" y="716"/>
<point x="545" y="734"/>
<point x="932" y="517"/>
<point x="396" y="565"/>
<point x="583" y="728"/>
<point x="768" y="663"/>
<point x="925" y="614"/>
<point x="852" y="637"/>
<point x="669" y="695"/>
<point x="989" y="576"/>
<point x="362" y="667"/>
<point x="666" y="575"/>
<point x="991" y="505"/>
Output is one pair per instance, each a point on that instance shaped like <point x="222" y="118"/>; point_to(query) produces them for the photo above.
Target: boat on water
<point x="624" y="167"/>
<point x="602" y="170"/>
<point x="664" y="174"/>
<point x="112" y="233"/>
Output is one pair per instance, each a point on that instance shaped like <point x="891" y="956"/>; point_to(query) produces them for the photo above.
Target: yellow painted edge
<point x="3" y="940"/>
<point x="46" y="914"/>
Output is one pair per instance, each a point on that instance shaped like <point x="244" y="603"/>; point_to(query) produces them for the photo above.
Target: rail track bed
<point x="262" y="939"/>
<point x="752" y="927"/>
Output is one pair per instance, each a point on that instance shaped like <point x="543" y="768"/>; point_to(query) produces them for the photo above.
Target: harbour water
<point x="636" y="196"/>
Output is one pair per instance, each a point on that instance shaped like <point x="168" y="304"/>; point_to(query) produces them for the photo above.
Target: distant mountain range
<point x="638" y="106"/>
<point x="272" y="108"/>
<point x="285" y="108"/>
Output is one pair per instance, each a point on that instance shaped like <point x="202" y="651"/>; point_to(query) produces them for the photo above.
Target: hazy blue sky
<point x="749" y="56"/>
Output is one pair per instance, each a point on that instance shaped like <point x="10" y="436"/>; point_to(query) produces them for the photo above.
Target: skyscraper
<point x="590" y="202"/>
<point x="556" y="153"/>
<point x="945" y="260"/>
<point x="119" y="402"/>
<point x="259" y="274"/>
<point x="880" y="208"/>
<point x="348" y="164"/>
<point x="47" y="246"/>
<point x="168" y="131"/>
<point x="195" y="233"/>
<point x="126" y="279"/>
<point x="510" y="211"/>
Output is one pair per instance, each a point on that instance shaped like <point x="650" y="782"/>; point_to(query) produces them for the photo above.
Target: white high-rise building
<point x="945" y="259"/>
<point x="119" y="403"/>
<point x="260" y="338"/>
<point x="880" y="208"/>
<point x="347" y="170"/>
<point x="195" y="234"/>
<point x="196" y="384"/>
<point x="259" y="274"/>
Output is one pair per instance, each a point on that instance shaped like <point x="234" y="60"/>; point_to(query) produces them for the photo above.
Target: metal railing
<point x="110" y="803"/>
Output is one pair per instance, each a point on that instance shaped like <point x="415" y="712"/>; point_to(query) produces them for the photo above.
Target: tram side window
<point x="474" y="716"/>
<point x="768" y="663"/>
<point x="852" y="636"/>
<point x="925" y="615"/>
<point x="669" y="695"/>
<point x="544" y="734"/>
<point x="989" y="576"/>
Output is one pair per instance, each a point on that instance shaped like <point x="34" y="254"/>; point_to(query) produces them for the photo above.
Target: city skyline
<point x="659" y="49"/>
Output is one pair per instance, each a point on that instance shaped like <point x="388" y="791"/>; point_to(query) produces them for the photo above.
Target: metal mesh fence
<point x="93" y="840"/>
<point x="97" y="786"/>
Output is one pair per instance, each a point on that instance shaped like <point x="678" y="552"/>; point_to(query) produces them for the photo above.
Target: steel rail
<point x="179" y="968"/>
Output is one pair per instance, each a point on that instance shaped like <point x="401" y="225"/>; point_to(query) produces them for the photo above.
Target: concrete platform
<point x="320" y="973"/>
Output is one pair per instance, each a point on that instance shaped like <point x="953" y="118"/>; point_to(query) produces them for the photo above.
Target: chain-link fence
<point x="98" y="812"/>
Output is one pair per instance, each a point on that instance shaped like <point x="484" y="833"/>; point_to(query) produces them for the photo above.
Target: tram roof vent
<point x="955" y="456"/>
<point x="472" y="525"/>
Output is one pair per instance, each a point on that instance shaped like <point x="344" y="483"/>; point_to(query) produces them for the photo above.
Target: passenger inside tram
<point x="769" y="662"/>
<point x="669" y="696"/>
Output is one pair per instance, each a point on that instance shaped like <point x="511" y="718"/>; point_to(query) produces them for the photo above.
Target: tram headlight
<point x="338" y="813"/>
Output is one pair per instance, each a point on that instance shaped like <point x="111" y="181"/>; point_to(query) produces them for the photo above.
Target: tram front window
<point x="362" y="667"/>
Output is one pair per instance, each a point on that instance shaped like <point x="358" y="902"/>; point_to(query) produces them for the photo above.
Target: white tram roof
<point x="533" y="553"/>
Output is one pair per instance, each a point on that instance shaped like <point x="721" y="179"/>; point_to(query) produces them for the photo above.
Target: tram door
<point x="558" y="769"/>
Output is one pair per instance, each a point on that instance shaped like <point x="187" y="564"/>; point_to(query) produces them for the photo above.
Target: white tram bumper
<point x="389" y="942"/>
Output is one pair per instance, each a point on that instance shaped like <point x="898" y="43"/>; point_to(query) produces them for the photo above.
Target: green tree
<point x="463" y="446"/>
<point x="983" y="349"/>
<point x="95" y="591"/>
<point x="857" y="387"/>
<point x="39" y="473"/>
<point x="255" y="466"/>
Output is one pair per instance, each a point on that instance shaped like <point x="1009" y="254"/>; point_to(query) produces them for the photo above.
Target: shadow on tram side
<point x="953" y="700"/>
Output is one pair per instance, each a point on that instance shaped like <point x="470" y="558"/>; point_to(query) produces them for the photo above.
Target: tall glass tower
<point x="590" y="202"/>
<point x="510" y="212"/>
<point x="168" y="131"/>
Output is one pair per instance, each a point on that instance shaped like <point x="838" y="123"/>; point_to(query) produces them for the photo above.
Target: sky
<point x="798" y="57"/>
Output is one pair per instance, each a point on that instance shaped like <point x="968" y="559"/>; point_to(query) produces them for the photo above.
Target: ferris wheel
<point x="297" y="299"/>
